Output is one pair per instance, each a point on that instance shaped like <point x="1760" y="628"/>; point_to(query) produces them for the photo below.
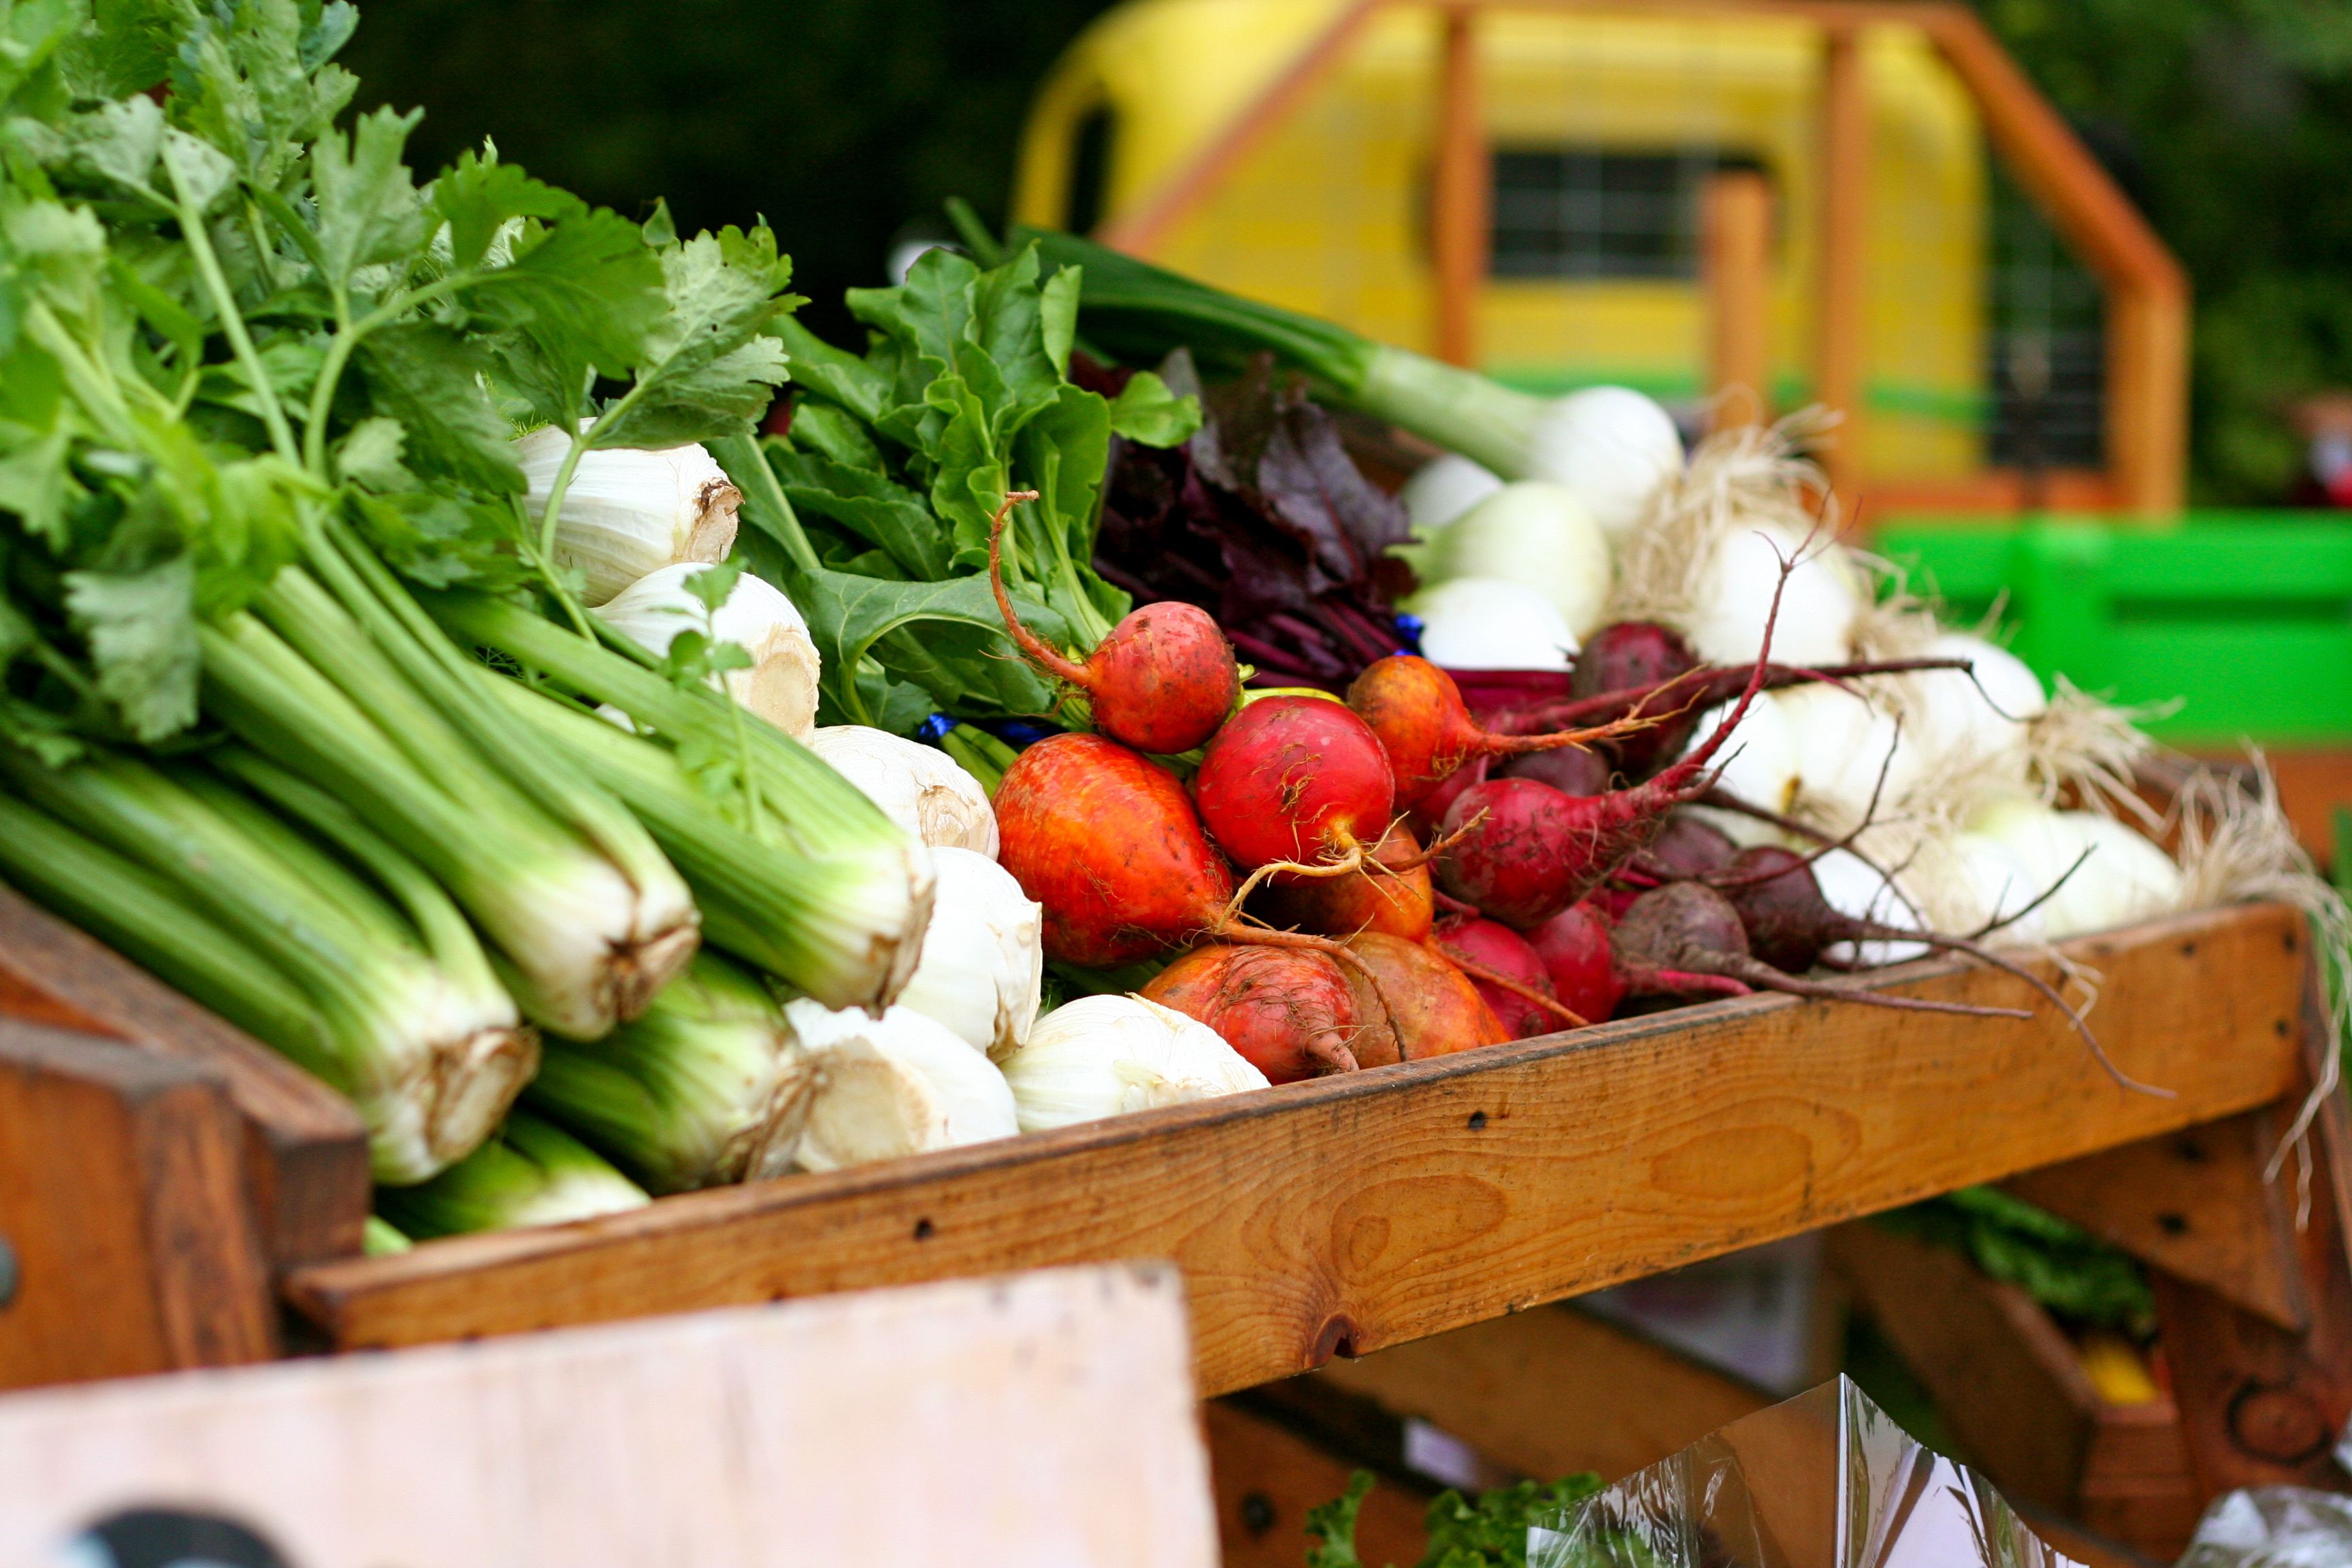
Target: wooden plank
<point x="1365" y="1210"/>
<point x="123" y="1207"/>
<point x="1266" y="1477"/>
<point x="305" y="1151"/>
<point x="1551" y="1392"/>
<point x="1735" y="236"/>
<point x="1842" y="302"/>
<point x="1046" y="1419"/>
<point x="1460" y="186"/>
<point x="2001" y="1372"/>
<point x="2192" y="1203"/>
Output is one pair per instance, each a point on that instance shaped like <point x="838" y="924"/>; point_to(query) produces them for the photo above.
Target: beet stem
<point x="1724" y="800"/>
<point x="2046" y="894"/>
<point x="1707" y="679"/>
<point x="1758" y="973"/>
<point x="1038" y="650"/>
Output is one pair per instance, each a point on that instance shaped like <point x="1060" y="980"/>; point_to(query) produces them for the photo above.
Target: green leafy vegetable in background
<point x="873" y="514"/>
<point x="2060" y="1265"/>
<point x="1489" y="1530"/>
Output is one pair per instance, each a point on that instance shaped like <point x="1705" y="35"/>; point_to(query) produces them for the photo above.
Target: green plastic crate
<point x="2246" y="617"/>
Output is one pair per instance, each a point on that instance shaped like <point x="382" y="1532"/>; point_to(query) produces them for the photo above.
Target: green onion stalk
<point x="710" y="1087"/>
<point x="389" y="1000"/>
<point x="532" y="1172"/>
<point x="565" y="884"/>
<point x="1142" y="312"/>
<point x="822" y="890"/>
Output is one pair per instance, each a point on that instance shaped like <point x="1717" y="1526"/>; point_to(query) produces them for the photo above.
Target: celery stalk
<point x="532" y="1172"/>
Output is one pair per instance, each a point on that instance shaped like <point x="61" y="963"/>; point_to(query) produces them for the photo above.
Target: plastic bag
<point x="1823" y="1480"/>
<point x="2273" y="1527"/>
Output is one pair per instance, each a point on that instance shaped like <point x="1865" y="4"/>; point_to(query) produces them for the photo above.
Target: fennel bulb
<point x="1537" y="533"/>
<point x="1488" y="622"/>
<point x="982" y="969"/>
<point x="628" y="512"/>
<point x="1107" y="1056"/>
<point x="1610" y="444"/>
<point x="782" y="684"/>
<point x="532" y="1172"/>
<point x="920" y="787"/>
<point x="707" y="1086"/>
<point x="900" y="1084"/>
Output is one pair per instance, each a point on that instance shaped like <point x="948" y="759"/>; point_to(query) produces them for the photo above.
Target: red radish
<point x="1418" y="712"/>
<point x="1573" y="947"/>
<point x="1475" y="944"/>
<point x="1401" y="903"/>
<point x="1430" y="1006"/>
<point x="1538" y="850"/>
<point x="1162" y="682"/>
<point x="1689" y="929"/>
<point x="1568" y="770"/>
<point x="1290" y="1012"/>
<point x="1789" y="925"/>
<point x="1294" y="780"/>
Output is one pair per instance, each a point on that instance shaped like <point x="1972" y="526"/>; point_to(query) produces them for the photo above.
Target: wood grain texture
<point x="1365" y="1210"/>
<point x="1043" y="1420"/>
<point x="1460" y="186"/>
<point x="305" y="1151"/>
<point x="1266" y="1476"/>
<point x="1736" y="237"/>
<point x="2193" y="1204"/>
<point x="1551" y="1392"/>
<point x="122" y="1198"/>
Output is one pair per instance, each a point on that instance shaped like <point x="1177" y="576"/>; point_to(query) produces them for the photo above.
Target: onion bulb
<point x="1440" y="491"/>
<point x="2123" y="877"/>
<point x="1758" y="762"/>
<point x="629" y="512"/>
<point x="920" y="787"/>
<point x="1537" y="533"/>
<point x="984" y="962"/>
<point x="1612" y="446"/>
<point x="1843" y="743"/>
<point x="1487" y="623"/>
<point x="1966" y="726"/>
<point x="1735" y="599"/>
<point x="780" y="685"/>
<point x="1854" y="889"/>
<point x="1107" y="1056"/>
<point x="900" y="1084"/>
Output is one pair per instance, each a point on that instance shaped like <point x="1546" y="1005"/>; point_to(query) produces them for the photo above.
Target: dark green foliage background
<point x="841" y="120"/>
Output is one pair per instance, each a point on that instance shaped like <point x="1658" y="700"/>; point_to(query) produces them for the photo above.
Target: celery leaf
<point x="142" y="631"/>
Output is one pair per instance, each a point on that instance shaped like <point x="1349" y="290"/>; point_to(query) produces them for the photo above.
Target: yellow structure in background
<point x="1604" y="125"/>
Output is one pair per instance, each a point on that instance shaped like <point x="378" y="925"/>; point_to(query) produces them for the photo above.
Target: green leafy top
<point x="2059" y="1264"/>
<point x="226" y="318"/>
<point x="878" y="507"/>
<point x="1489" y="1530"/>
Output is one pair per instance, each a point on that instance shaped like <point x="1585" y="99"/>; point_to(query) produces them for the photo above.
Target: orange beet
<point x="1398" y="902"/>
<point x="1432" y="1007"/>
<point x="1286" y="1010"/>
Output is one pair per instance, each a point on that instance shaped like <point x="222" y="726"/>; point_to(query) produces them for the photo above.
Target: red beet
<point x="1418" y="712"/>
<point x="1689" y="848"/>
<point x="1290" y="1012"/>
<point x="1430" y="1008"/>
<point x="1162" y="682"/>
<point x="1428" y="819"/>
<point x="1566" y="770"/>
<point x="1296" y="779"/>
<point x="1627" y="654"/>
<point x="1400" y="902"/>
<point x="1475" y="944"/>
<point x="1108" y="843"/>
<point x="1573" y="948"/>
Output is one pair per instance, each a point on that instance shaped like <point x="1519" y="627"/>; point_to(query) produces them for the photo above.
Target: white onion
<point x="1107" y="1056"/>
<point x="1842" y="742"/>
<point x="1817" y="609"/>
<point x="1442" y="489"/>
<point x="780" y="687"/>
<point x="900" y="1084"/>
<point x="1973" y="725"/>
<point x="1853" y="890"/>
<point x="1537" y="533"/>
<point x="628" y="512"/>
<point x="1612" y="446"/>
<point x="1759" y="759"/>
<point x="921" y="788"/>
<point x="984" y="960"/>
<point x="1485" y="623"/>
<point x="2124" y="877"/>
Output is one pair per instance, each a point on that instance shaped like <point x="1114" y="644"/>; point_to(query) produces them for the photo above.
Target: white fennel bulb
<point x="900" y="1084"/>
<point x="2122" y="877"/>
<point x="1441" y="490"/>
<point x="780" y="685"/>
<point x="920" y="787"/>
<point x="1107" y="1056"/>
<point x="1735" y="598"/>
<point x="628" y="512"/>
<point x="1612" y="446"/>
<point x="1487" y="623"/>
<point x="1759" y="759"/>
<point x="1537" y="533"/>
<point x="984" y="962"/>
<point x="1843" y="743"/>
